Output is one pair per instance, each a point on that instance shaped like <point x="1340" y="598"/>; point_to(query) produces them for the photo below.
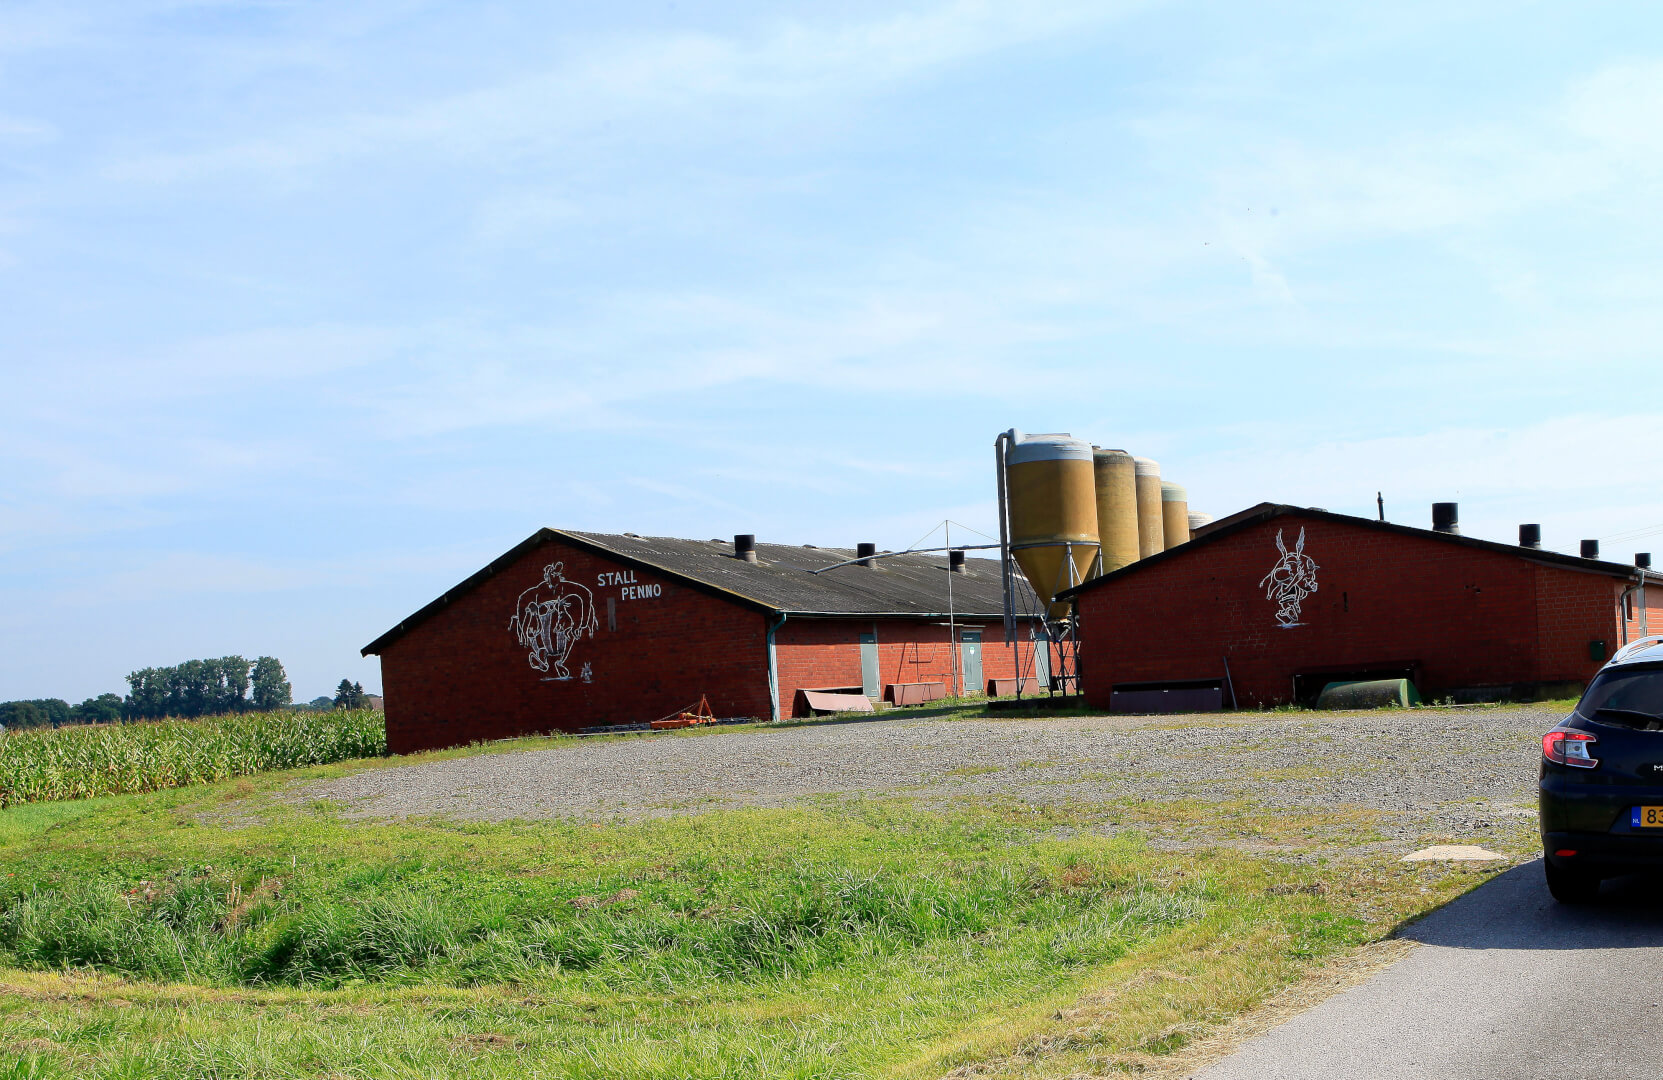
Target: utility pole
<point x="952" y="627"/>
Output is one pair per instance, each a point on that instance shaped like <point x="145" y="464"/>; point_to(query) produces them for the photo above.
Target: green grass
<point x="106" y="759"/>
<point x="853" y="937"/>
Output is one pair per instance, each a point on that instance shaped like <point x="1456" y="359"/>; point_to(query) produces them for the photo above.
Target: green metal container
<point x="1368" y="695"/>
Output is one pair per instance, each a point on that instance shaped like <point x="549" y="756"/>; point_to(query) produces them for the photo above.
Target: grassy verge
<point x="104" y="759"/>
<point x="858" y="937"/>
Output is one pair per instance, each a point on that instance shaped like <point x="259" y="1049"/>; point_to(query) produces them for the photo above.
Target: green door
<point x="869" y="666"/>
<point x="1042" y="661"/>
<point x="970" y="652"/>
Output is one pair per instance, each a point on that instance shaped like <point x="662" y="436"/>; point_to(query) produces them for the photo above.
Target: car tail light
<point x="1569" y="748"/>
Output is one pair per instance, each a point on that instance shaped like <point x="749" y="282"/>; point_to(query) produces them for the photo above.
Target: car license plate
<point x="1646" y="817"/>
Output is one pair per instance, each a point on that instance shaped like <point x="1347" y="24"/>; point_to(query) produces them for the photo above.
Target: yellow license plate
<point x="1646" y="817"/>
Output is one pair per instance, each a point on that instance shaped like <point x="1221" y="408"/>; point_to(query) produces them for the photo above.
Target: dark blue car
<point x="1602" y="778"/>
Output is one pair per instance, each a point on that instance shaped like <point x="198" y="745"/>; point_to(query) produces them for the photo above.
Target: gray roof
<point x="780" y="578"/>
<point x="1265" y="511"/>
<point x="907" y="586"/>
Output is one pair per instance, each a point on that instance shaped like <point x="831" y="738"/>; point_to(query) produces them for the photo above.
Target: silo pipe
<point x="999" y="446"/>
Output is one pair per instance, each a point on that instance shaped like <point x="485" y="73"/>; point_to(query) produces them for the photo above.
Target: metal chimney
<point x="955" y="561"/>
<point x="1642" y="559"/>
<point x="865" y="552"/>
<point x="1530" y="536"/>
<point x="744" y="546"/>
<point x="1590" y="549"/>
<point x="1446" y="518"/>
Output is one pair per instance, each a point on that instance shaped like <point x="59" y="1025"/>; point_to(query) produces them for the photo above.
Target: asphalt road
<point x="1506" y="984"/>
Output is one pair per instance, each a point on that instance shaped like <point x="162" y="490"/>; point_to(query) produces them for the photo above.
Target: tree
<point x="228" y="684"/>
<point x="350" y="695"/>
<point x="322" y="702"/>
<point x="147" y="690"/>
<point x="55" y="710"/>
<point x="103" y="709"/>
<point x="37" y="712"/>
<point x="271" y="684"/>
<point x="194" y="688"/>
<point x="17" y="715"/>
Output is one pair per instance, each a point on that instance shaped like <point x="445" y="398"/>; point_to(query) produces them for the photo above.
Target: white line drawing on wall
<point x="550" y="617"/>
<point x="1290" y="581"/>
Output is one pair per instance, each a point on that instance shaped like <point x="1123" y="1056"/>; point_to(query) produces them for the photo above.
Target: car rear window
<point x="1629" y="696"/>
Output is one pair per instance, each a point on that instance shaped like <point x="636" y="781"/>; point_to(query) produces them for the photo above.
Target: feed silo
<point x="1175" y="515"/>
<point x="1117" y="507"/>
<point x="1197" y="520"/>
<point x="1151" y="525"/>
<point x="1051" y="503"/>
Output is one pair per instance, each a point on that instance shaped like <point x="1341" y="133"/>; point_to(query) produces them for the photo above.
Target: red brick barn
<point x="575" y="630"/>
<point x="1270" y="605"/>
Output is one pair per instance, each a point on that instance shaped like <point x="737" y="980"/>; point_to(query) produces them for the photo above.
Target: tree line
<point x="56" y="712"/>
<point x="228" y="684"/>
<point x="207" y="688"/>
<point x="194" y="688"/>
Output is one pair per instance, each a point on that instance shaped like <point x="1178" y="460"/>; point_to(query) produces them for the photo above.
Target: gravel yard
<point x="1466" y="774"/>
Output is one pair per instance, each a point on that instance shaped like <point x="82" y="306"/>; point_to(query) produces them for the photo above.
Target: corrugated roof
<point x="912" y="586"/>
<point x="780" y="578"/>
<point x="1253" y="515"/>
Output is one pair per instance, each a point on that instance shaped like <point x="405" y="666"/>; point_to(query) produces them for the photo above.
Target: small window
<point x="612" y="613"/>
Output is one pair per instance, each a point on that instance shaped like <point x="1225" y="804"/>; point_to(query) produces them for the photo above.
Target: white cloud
<point x="1603" y="135"/>
<point x="22" y="128"/>
<point x="675" y="84"/>
<point x="1619" y="108"/>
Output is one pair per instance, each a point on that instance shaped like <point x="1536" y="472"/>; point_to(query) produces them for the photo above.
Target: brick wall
<point x="1653" y="613"/>
<point x="814" y="653"/>
<point x="462" y="676"/>
<point x="1574" y="609"/>
<point x="1470" y="617"/>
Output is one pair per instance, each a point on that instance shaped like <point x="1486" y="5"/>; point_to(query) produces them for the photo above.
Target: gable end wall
<point x="1471" y="617"/>
<point x="461" y="676"/>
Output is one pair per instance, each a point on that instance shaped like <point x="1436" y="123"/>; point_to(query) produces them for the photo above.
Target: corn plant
<point x="40" y="765"/>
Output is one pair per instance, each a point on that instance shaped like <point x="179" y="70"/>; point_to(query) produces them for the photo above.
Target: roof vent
<point x="1642" y="559"/>
<point x="1530" y="536"/>
<point x="744" y="546"/>
<point x="864" y="553"/>
<point x="1590" y="549"/>
<point x="955" y="561"/>
<point x="1446" y="518"/>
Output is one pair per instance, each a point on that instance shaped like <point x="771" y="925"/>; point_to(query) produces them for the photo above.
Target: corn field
<point x="40" y="765"/>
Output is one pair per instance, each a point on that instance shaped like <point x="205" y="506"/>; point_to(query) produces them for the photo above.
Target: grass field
<point x="222" y="931"/>
<point x="79" y="762"/>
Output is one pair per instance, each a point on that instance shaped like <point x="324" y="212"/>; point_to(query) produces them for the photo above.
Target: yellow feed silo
<point x="1051" y="499"/>
<point x="1151" y="525"/>
<point x="1175" y="514"/>
<point x="1197" y="520"/>
<point x="1117" y="507"/>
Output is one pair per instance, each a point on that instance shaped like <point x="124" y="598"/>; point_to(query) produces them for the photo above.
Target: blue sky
<point x="311" y="309"/>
